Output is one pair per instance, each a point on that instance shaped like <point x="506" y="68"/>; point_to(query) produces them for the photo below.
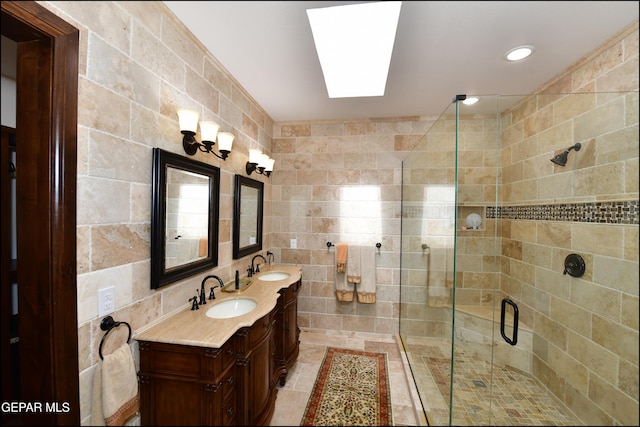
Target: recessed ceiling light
<point x="470" y="101"/>
<point x="354" y="43"/>
<point x="518" y="53"/>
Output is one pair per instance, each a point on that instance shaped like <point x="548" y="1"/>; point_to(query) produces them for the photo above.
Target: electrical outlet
<point x="294" y="243"/>
<point x="106" y="301"/>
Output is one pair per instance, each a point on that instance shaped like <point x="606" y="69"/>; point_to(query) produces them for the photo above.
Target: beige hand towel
<point x="367" y="287"/>
<point x="341" y="257"/>
<point x="353" y="264"/>
<point x="115" y="389"/>
<point x="344" y="290"/>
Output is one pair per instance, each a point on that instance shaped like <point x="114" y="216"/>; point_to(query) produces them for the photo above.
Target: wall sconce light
<point x="259" y="163"/>
<point x="189" y="125"/>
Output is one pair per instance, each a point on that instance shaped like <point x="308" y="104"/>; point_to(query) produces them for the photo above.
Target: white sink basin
<point x="231" y="308"/>
<point x="272" y="276"/>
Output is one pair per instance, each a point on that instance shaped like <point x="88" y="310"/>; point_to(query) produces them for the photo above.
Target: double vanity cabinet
<point x="196" y="370"/>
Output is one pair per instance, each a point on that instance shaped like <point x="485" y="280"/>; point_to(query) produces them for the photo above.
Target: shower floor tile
<point x="517" y="398"/>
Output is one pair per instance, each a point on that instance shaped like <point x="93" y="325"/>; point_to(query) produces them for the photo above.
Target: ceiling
<point x="442" y="48"/>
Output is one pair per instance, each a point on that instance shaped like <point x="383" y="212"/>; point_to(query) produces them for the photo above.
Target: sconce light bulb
<point x="188" y="120"/>
<point x="209" y="131"/>
<point x="254" y="156"/>
<point x="269" y="165"/>
<point x="225" y="141"/>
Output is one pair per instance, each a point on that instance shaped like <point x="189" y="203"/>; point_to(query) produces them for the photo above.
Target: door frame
<point x="46" y="174"/>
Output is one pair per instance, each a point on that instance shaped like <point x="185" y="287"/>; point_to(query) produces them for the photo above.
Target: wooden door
<point x="46" y="134"/>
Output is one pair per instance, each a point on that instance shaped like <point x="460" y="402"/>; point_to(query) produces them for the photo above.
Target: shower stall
<point x="519" y="261"/>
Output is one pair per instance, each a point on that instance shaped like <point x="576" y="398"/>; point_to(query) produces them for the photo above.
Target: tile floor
<point x="292" y="398"/>
<point x="513" y="399"/>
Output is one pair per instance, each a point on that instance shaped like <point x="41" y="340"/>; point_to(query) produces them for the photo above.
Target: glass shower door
<point x="446" y="264"/>
<point x="476" y="269"/>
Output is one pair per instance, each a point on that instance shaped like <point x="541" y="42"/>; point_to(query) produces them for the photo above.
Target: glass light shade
<point x="262" y="162"/>
<point x="225" y="141"/>
<point x="269" y="165"/>
<point x="209" y="130"/>
<point x="255" y="156"/>
<point x="188" y="119"/>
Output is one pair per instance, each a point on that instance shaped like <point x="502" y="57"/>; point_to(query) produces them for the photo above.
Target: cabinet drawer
<point x="260" y="330"/>
<point x="228" y="353"/>
<point x="288" y="294"/>
<point x="179" y="360"/>
<point x="228" y="383"/>
<point x="229" y="411"/>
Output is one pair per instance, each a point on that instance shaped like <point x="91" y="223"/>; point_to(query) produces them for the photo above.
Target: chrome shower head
<point x="561" y="159"/>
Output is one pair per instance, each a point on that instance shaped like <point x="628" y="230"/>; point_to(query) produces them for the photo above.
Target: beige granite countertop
<point x="193" y="327"/>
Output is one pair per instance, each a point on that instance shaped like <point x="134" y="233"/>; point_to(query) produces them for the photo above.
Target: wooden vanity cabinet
<point x="186" y="385"/>
<point x="233" y="385"/>
<point x="287" y="340"/>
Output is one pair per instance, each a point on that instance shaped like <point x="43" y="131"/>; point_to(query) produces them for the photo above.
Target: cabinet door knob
<point x="230" y="380"/>
<point x="230" y="411"/>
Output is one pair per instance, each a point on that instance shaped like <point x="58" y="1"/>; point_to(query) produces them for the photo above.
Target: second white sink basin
<point x="272" y="276"/>
<point x="231" y="308"/>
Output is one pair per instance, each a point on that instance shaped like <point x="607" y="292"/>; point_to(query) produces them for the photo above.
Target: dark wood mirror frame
<point x="160" y="274"/>
<point x="240" y="182"/>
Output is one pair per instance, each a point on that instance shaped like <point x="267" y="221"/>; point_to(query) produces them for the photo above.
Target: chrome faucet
<point x="271" y="257"/>
<point x="256" y="269"/>
<point x="203" y="298"/>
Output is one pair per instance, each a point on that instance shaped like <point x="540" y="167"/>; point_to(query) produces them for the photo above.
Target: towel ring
<point x="108" y="324"/>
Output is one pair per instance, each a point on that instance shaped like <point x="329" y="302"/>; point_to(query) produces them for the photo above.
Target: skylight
<point x="354" y="43"/>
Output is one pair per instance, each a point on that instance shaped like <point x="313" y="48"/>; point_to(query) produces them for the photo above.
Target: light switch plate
<point x="294" y="243"/>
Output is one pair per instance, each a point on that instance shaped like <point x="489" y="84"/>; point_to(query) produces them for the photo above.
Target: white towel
<point x="353" y="264"/>
<point x="115" y="389"/>
<point x="367" y="287"/>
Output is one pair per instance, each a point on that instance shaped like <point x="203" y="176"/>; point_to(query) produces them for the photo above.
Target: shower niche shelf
<point x="471" y="218"/>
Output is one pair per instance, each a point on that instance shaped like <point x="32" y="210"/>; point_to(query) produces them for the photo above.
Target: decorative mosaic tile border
<point x="620" y="212"/>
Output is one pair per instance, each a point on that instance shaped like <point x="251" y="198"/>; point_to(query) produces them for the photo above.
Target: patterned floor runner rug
<point x="352" y="389"/>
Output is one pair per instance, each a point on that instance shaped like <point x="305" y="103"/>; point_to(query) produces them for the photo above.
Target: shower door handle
<point x="514" y="339"/>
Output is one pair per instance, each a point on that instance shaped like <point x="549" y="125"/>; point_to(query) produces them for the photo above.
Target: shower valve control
<point x="574" y="265"/>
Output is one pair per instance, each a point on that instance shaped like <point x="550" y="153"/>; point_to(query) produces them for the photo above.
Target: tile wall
<point x="137" y="65"/>
<point x="585" y="347"/>
<point x="340" y="182"/>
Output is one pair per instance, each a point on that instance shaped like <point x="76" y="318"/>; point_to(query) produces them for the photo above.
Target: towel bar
<point x="378" y="245"/>
<point x="107" y="324"/>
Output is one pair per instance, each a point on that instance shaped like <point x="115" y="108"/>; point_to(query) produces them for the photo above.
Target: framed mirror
<point x="247" y="216"/>
<point x="185" y="209"/>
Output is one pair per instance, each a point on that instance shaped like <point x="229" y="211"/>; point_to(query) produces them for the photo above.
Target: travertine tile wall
<point x="339" y="181"/>
<point x="137" y="65"/>
<point x="429" y="212"/>
<point x="586" y="329"/>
